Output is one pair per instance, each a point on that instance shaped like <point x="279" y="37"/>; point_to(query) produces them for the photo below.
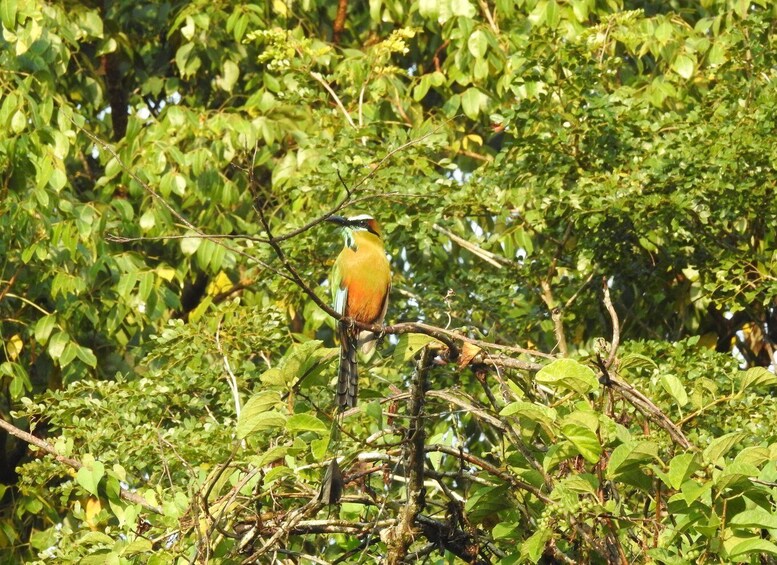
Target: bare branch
<point x="287" y="527"/>
<point x="653" y="412"/>
<point x="487" y="344"/>
<point x="127" y="495"/>
<point x="232" y="380"/>
<point x="399" y="538"/>
<point x="556" y="312"/>
<point x="616" y="328"/>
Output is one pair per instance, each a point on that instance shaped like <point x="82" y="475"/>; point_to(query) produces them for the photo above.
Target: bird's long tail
<point x="348" y="378"/>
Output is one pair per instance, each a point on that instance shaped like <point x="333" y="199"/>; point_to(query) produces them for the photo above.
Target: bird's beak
<point x="339" y="220"/>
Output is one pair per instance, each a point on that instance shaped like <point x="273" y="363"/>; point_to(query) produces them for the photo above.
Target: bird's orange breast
<point x="367" y="277"/>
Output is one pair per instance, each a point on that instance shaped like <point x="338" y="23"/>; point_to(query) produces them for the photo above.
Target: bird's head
<point x="362" y="222"/>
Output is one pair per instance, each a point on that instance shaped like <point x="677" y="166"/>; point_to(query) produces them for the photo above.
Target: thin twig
<point x="457" y="399"/>
<point x="232" y="380"/>
<point x="288" y="526"/>
<point x="556" y="313"/>
<point x="490" y="258"/>
<point x="489" y="468"/>
<point x="334" y="95"/>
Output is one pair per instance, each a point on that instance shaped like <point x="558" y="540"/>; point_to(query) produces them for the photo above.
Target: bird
<point x="361" y="282"/>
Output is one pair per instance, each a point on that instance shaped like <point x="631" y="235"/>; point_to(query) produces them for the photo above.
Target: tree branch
<point x="125" y="494"/>
<point x="489" y="468"/>
<point x="399" y="538"/>
<point x="616" y="328"/>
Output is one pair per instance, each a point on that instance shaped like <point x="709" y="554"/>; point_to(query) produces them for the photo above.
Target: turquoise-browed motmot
<point x="361" y="280"/>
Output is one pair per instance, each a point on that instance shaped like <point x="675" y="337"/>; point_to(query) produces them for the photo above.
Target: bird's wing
<point x="340" y="299"/>
<point x="339" y="291"/>
<point x="385" y="305"/>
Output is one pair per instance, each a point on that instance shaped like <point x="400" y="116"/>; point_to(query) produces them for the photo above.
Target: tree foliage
<point x="578" y="200"/>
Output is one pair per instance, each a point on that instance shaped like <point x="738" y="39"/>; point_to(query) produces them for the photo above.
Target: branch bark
<point x="401" y="536"/>
<point x="339" y="25"/>
<point x="129" y="496"/>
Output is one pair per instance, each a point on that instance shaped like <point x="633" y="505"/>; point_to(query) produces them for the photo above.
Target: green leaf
<point x="188" y="29"/>
<point x="182" y="57"/>
<point x="278" y="473"/>
<point x="318" y="447"/>
<point x="756" y="518"/>
<point x="635" y="361"/>
<point x="552" y="14"/>
<point x="251" y="422"/>
<point x="477" y="44"/>
<point x="138" y="545"/>
<point x="305" y="359"/>
<point x="90" y="474"/>
<point x="57" y="344"/>
<point x="126" y="284"/>
<point x="722" y="445"/>
<point x="261" y="402"/>
<point x="43" y="328"/>
<point x="681" y="467"/>
<point x="92" y="23"/>
<point x="8" y="14"/>
<point x="584" y="440"/>
<point x="429" y="8"/>
<point x="486" y="502"/>
<point x="148" y="220"/>
<point x="251" y="416"/>
<point x="753" y="546"/>
<point x="189" y="245"/>
<point x="146" y="285"/>
<point x="535" y="412"/>
<point x="68" y="354"/>
<point x="692" y="490"/>
<point x="585" y="483"/>
<point x="472" y="101"/>
<point x="568" y="374"/>
<point x="86" y="355"/>
<point x="675" y="388"/>
<point x="229" y="77"/>
<point x="754" y="455"/>
<point x="43" y="539"/>
<point x="272" y="455"/>
<point x="628" y="455"/>
<point x="735" y="475"/>
<point x="757" y="377"/>
<point x="533" y="548"/>
<point x="306" y="423"/>
<point x="462" y="8"/>
<point x="409" y="345"/>
<point x="684" y="65"/>
<point x="18" y="122"/>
